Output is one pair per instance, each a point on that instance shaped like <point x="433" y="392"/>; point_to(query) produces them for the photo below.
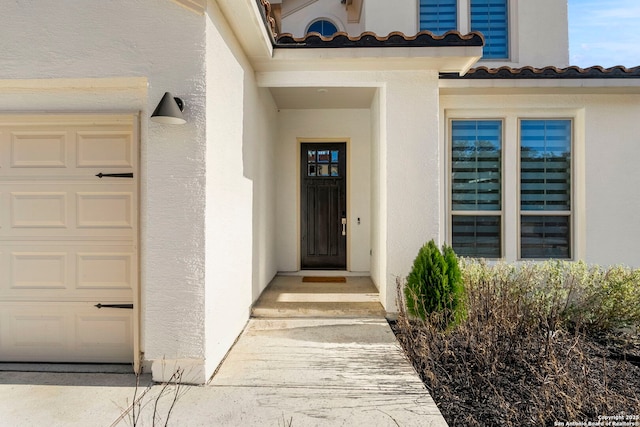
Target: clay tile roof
<point x="369" y="39"/>
<point x="595" y="72"/>
<point x="270" y="22"/>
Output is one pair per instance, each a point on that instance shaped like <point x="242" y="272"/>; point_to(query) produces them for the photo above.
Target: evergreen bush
<point x="434" y="285"/>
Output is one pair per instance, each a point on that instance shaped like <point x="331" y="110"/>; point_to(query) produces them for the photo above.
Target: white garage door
<point x="67" y="238"/>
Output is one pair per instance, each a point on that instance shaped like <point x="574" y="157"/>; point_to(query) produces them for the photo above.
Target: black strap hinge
<point x="115" y="175"/>
<point x="128" y="306"/>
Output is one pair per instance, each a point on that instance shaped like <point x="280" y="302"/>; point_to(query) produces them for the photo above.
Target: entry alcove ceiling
<point x="322" y="97"/>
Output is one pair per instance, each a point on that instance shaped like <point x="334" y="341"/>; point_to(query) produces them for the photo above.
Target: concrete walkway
<point x="281" y="372"/>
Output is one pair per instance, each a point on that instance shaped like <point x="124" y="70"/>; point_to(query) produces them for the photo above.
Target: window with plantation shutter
<point x="545" y="188"/>
<point x="438" y="16"/>
<point x="511" y="196"/>
<point x="476" y="187"/>
<point x="490" y="17"/>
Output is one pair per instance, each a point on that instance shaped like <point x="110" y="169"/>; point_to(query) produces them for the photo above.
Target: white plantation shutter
<point x="545" y="188"/>
<point x="476" y="187"/>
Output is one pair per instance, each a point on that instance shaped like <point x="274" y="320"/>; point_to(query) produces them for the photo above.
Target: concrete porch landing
<point x="289" y="296"/>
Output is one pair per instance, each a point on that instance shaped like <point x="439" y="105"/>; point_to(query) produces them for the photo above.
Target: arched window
<point x="322" y="26"/>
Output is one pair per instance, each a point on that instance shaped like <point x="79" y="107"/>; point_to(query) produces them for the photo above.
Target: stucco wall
<point x="412" y="171"/>
<point x="541" y="33"/>
<point x="240" y="209"/>
<point x="378" y="196"/>
<point x="229" y="198"/>
<point x="162" y="42"/>
<point x="606" y="142"/>
<point x="612" y="138"/>
<point x="351" y="124"/>
<point x="383" y="17"/>
<point x="213" y="175"/>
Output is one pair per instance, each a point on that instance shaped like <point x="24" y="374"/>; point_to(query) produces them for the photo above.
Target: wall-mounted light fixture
<point x="169" y="111"/>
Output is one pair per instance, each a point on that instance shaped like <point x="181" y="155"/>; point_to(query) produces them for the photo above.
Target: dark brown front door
<point x="323" y="205"/>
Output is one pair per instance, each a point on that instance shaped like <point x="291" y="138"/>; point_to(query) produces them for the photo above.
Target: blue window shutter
<point x="490" y="17"/>
<point x="438" y="16"/>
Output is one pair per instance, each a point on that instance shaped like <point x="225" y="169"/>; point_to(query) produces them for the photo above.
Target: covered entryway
<point x="323" y="196"/>
<point x="323" y="169"/>
<point x="68" y="238"/>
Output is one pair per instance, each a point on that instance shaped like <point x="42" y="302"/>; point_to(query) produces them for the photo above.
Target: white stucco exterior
<point x="538" y="30"/>
<point x="198" y="181"/>
<point x="219" y="196"/>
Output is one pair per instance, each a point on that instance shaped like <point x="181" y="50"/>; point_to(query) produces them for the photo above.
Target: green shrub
<point x="434" y="285"/>
<point x="557" y="294"/>
<point x="609" y="299"/>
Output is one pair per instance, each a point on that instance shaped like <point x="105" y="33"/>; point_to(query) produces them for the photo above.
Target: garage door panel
<point x="39" y="210"/>
<point x="39" y="149"/>
<point x="39" y="270"/>
<point x="68" y="271"/>
<point x="105" y="271"/>
<point x="37" y="330"/>
<point x="65" y="332"/>
<point x="105" y="149"/>
<point x="112" y="327"/>
<point x="31" y="149"/>
<point x="66" y="210"/>
<point x="105" y="210"/>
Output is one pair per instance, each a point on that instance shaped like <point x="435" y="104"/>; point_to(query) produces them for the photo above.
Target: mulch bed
<point x="543" y="380"/>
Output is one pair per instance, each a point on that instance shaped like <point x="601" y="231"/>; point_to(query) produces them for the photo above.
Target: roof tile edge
<point x="370" y="39"/>
<point x="550" y="72"/>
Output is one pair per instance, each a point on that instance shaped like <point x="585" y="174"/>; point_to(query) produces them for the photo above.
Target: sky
<point x="604" y="32"/>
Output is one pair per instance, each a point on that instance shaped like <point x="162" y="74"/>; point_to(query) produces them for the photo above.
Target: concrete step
<point x="290" y="296"/>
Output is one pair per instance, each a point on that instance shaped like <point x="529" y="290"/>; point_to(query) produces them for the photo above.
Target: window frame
<point x="498" y="213"/>
<point x="463" y="24"/>
<point x="572" y="191"/>
<point x="509" y="18"/>
<point x="511" y="205"/>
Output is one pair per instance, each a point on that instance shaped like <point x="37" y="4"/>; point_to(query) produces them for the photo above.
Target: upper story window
<point x="438" y="16"/>
<point x="490" y="17"/>
<point x="324" y="27"/>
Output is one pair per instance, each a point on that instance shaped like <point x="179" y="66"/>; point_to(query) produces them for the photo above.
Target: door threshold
<point x="326" y="273"/>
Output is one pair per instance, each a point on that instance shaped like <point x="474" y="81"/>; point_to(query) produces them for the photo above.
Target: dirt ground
<point x="543" y="380"/>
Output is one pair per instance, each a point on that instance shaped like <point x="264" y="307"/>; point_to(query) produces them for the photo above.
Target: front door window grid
<point x="323" y="163"/>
